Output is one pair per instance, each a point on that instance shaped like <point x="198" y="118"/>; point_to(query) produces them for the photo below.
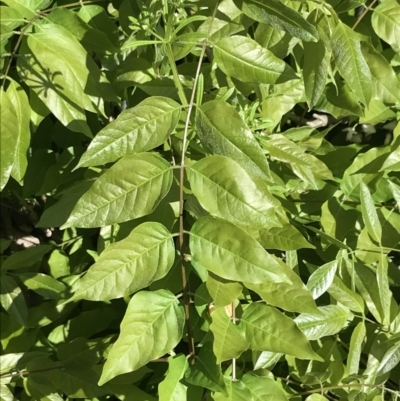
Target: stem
<point x="233" y="360"/>
<point x="25" y="373"/>
<point x="363" y="14"/>
<point x="185" y="286"/>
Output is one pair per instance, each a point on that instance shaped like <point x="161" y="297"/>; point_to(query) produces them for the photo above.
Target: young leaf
<point x="332" y="320"/>
<point x="229" y="340"/>
<point x="138" y="129"/>
<point x="279" y="16"/>
<point x="356" y="344"/>
<point x="243" y="58"/>
<point x="44" y="285"/>
<point x="229" y="252"/>
<point x="345" y="296"/>
<point x="369" y="214"/>
<point x="127" y="266"/>
<point x="171" y="389"/>
<point x="152" y="326"/>
<point x="351" y="63"/>
<point x="267" y="329"/>
<point x="131" y="188"/>
<point x="217" y="183"/>
<point x="222" y="131"/>
<point x="382" y="278"/>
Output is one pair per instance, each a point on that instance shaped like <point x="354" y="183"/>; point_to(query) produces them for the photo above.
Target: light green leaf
<point x="223" y="292"/>
<point x="316" y="397"/>
<point x="266" y="359"/>
<point x="26" y="257"/>
<point x="217" y="183"/>
<point x="333" y="319"/>
<point x="285" y="238"/>
<point x="222" y="131"/>
<point x="293" y="297"/>
<point x="386" y="85"/>
<point x="321" y="279"/>
<point x="236" y="257"/>
<point x="345" y="296"/>
<point x="243" y="58"/>
<point x="285" y="150"/>
<point x="386" y="23"/>
<point x="22" y="136"/>
<point x="369" y="214"/>
<point x="12" y="299"/>
<point x="357" y="341"/>
<point x="131" y="188"/>
<point x="392" y="163"/>
<point x="395" y="191"/>
<point x="267" y="329"/>
<point x="127" y="266"/>
<point x="44" y="285"/>
<point x="206" y="372"/>
<point x="28" y="8"/>
<point x="152" y="326"/>
<point x="171" y="389"/>
<point x="351" y="63"/>
<point x="263" y="388"/>
<point x="8" y="137"/>
<point x="279" y="16"/>
<point x="229" y="340"/>
<point x="138" y="129"/>
<point x="382" y="278"/>
<point x="391" y="357"/>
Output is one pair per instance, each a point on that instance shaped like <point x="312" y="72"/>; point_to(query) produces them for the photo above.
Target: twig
<point x="25" y="373"/>
<point x="363" y="14"/>
<point x="185" y="287"/>
<point x="233" y="360"/>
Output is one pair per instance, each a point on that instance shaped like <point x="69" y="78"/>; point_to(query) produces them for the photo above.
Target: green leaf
<point x="316" y="66"/>
<point x="206" y="372"/>
<point x="267" y="329"/>
<point x="386" y="85"/>
<point x="279" y="16"/>
<point x="217" y="183"/>
<point x="357" y="341"/>
<point x="229" y="340"/>
<point x="127" y="266"/>
<point x="223" y="292"/>
<point x="131" y="188"/>
<point x="333" y="319"/>
<point x="222" y="131"/>
<point x="395" y="189"/>
<point x="26" y="257"/>
<point x="263" y="388"/>
<point x="369" y="214"/>
<point x="293" y="297"/>
<point x="12" y="300"/>
<point x="44" y="285"/>
<point x="171" y="389"/>
<point x="91" y="39"/>
<point x="386" y="23"/>
<point x="351" y="63"/>
<point x="322" y="278"/>
<point x="285" y="238"/>
<point x="21" y="132"/>
<point x="243" y="58"/>
<point x="391" y="357"/>
<point x="382" y="278"/>
<point x="152" y="326"/>
<point x="236" y="257"/>
<point x="392" y="163"/>
<point x="285" y="150"/>
<point x="138" y="129"/>
<point x="346" y="296"/>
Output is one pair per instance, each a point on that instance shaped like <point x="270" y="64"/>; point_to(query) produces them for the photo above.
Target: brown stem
<point x="363" y="14"/>
<point x="233" y="360"/>
<point x="185" y="286"/>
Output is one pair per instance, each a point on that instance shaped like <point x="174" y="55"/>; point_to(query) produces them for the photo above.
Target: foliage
<point x="200" y="200"/>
